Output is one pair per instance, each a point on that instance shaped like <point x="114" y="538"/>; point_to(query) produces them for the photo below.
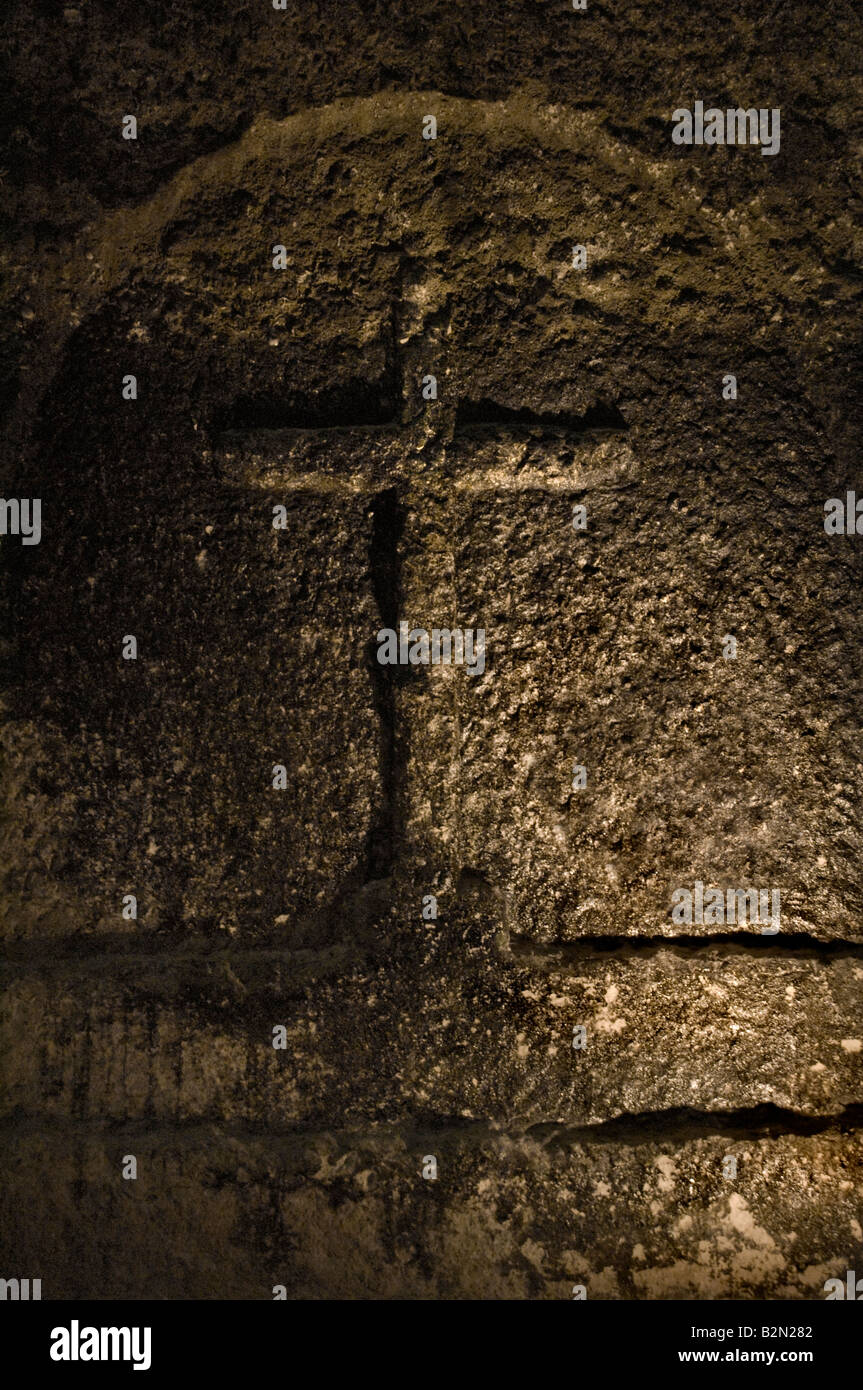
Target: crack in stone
<point x="569" y="954"/>
<point x="76" y="953"/>
<point x="630" y="1130"/>
<point x="766" y="1121"/>
<point x="388" y="517"/>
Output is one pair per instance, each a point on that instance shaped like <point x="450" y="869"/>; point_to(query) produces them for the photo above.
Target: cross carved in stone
<point x="413" y="471"/>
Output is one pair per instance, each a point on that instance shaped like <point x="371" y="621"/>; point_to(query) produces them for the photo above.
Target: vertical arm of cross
<point x="415" y="500"/>
<point x="410" y="574"/>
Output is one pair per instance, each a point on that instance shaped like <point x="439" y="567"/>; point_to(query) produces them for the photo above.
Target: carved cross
<point x="413" y="478"/>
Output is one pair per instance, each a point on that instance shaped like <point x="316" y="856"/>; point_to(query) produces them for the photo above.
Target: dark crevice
<point x="385" y="568"/>
<point x="384" y="561"/>
<point x="651" y="1127"/>
<point x="102" y="950"/>
<point x="488" y="414"/>
<point x="563" y="953"/>
<point x="658" y="1126"/>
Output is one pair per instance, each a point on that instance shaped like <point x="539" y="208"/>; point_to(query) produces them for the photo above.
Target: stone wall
<point x="306" y="907"/>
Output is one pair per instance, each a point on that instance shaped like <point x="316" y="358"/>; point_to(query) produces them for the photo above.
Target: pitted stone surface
<point x="193" y="1040"/>
<point x="510" y="1217"/>
<point x="302" y="907"/>
<point x="603" y="647"/>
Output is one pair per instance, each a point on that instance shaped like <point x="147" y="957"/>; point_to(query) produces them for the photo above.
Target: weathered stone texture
<point x="301" y="388"/>
<point x="193" y="1040"/>
<point x="509" y="1217"/>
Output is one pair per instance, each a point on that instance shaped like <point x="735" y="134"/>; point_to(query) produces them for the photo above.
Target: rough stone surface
<point x="192" y="1040"/>
<point x="301" y="388"/>
<point x="509" y="1216"/>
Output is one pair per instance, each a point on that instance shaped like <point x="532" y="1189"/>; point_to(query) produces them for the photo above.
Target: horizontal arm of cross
<point x="497" y="461"/>
<point x="313" y="460"/>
